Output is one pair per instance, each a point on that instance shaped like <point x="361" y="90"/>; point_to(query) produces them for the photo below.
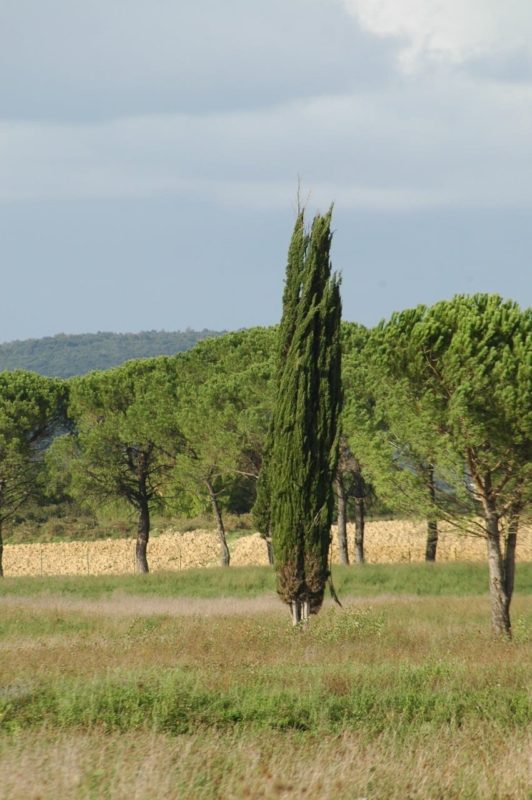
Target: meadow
<point x="195" y="685"/>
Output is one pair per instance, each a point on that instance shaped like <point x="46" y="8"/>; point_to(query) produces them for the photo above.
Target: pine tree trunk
<point x="500" y="602"/>
<point x="143" y="535"/>
<point x="359" y="530"/>
<point x="432" y="524"/>
<point x="342" y="521"/>
<point x="1" y="552"/>
<point x="225" y="557"/>
<point x="509" y="557"/>
<point x="432" y="540"/>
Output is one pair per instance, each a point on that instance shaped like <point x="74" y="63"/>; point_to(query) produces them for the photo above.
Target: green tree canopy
<point x="389" y="423"/>
<point x="31" y="409"/>
<point x="462" y="373"/>
<point x="126" y="438"/>
<point x="223" y="411"/>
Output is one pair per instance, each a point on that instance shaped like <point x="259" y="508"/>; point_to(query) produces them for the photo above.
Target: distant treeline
<point x="64" y="356"/>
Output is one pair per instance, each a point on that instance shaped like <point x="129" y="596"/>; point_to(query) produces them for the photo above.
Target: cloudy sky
<point x="150" y="152"/>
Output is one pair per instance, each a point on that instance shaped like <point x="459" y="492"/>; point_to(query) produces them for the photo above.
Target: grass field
<point x="195" y="686"/>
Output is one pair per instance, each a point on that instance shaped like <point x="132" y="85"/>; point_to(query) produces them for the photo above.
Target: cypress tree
<point x="295" y="491"/>
<point x="292" y="290"/>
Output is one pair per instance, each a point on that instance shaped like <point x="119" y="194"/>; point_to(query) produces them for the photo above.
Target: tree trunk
<point x="269" y="548"/>
<point x="509" y="557"/>
<point x="143" y="535"/>
<point x="295" y="610"/>
<point x="342" y="521"/>
<point x="359" y="530"/>
<point x="225" y="557"/>
<point x="1" y="552"/>
<point x="432" y="524"/>
<point x="500" y="602"/>
<point x="432" y="540"/>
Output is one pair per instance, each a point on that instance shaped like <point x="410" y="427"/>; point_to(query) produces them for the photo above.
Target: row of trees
<point x="437" y="421"/>
<point x="181" y="433"/>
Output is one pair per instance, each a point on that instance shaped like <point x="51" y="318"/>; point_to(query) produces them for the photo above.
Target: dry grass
<point x="53" y="637"/>
<point x="386" y="542"/>
<point x="263" y="711"/>
<point x="138" y="606"/>
<point x="467" y="763"/>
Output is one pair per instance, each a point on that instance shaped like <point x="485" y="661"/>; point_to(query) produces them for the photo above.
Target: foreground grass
<point x="446" y="579"/>
<point x="456" y="765"/>
<point x="112" y="695"/>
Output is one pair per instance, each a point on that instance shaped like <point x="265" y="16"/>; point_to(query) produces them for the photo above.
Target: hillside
<point x="65" y="355"/>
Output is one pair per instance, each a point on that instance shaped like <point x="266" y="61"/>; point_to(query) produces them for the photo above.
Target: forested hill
<point x="64" y="355"/>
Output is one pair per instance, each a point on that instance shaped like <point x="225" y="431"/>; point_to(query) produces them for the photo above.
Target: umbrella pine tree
<point x="295" y="491"/>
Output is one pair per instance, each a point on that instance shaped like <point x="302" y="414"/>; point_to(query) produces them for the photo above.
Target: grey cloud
<point x="423" y="145"/>
<point x="149" y="154"/>
<point x="513" y="67"/>
<point x="72" y="59"/>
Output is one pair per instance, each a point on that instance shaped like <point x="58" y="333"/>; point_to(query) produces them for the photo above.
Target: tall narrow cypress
<point x="295" y="492"/>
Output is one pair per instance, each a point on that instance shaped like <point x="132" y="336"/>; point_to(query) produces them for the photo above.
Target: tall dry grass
<point x="467" y="764"/>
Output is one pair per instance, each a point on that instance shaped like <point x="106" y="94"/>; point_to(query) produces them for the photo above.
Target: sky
<point x="151" y="153"/>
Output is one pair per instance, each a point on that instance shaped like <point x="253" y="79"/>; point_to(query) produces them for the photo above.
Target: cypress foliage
<point x="295" y="496"/>
<point x="292" y="291"/>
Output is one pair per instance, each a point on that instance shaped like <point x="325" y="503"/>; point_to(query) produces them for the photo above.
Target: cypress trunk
<point x="295" y="611"/>
<point x="269" y="549"/>
<point x="341" y="501"/>
<point x="225" y="557"/>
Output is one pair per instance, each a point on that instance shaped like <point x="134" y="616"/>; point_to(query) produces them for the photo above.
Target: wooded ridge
<point x="65" y="355"/>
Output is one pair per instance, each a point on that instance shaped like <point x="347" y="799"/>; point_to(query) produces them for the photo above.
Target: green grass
<point x="176" y="702"/>
<point x="403" y="693"/>
<point x="446" y="579"/>
<point x="372" y="669"/>
<point x="35" y="624"/>
<point x="216" y="582"/>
